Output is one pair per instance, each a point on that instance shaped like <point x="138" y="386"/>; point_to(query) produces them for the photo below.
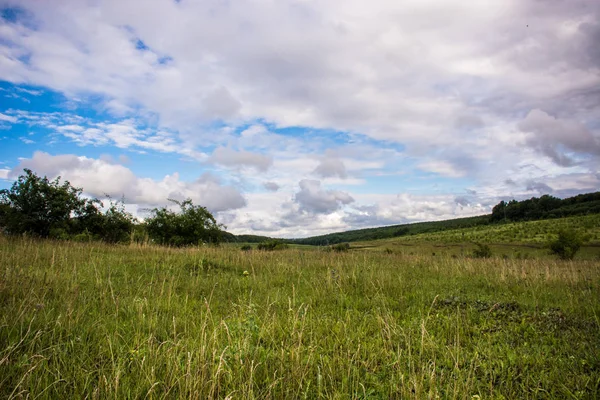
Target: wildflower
<point x="245" y="273"/>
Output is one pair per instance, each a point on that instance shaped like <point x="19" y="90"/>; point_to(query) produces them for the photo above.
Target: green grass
<point x="512" y="240"/>
<point x="97" y="321"/>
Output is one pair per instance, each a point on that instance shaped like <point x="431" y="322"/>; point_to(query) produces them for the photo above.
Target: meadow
<point x="89" y="320"/>
<point x="508" y="240"/>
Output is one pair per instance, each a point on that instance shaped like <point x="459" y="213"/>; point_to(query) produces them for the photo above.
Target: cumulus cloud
<point x="331" y="166"/>
<point x="256" y="60"/>
<point x="231" y="158"/>
<point x="220" y="104"/>
<point x="438" y="86"/>
<point x="558" y="139"/>
<point x="312" y="198"/>
<point x="98" y="178"/>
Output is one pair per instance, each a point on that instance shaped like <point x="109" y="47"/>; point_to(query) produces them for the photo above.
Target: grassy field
<point x="513" y="240"/>
<point x="98" y="321"/>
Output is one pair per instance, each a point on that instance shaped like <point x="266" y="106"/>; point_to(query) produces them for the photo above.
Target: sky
<point x="294" y="118"/>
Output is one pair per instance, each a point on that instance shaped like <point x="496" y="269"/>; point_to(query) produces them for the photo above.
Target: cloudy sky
<point x="293" y="118"/>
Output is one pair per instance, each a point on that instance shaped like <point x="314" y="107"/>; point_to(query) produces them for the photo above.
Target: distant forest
<point x="545" y="207"/>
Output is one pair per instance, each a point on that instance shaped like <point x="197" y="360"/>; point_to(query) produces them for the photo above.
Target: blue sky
<point x="296" y="118"/>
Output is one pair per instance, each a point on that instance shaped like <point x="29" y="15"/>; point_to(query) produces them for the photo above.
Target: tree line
<point x="39" y="207"/>
<point x="546" y="207"/>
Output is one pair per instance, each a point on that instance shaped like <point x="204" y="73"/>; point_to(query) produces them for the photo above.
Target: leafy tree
<point x="567" y="244"/>
<point x="41" y="207"/>
<point x="45" y="208"/>
<point x="116" y="224"/>
<point x="191" y="226"/>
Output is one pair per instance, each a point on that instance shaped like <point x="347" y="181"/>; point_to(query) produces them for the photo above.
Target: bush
<point x="271" y="245"/>
<point x="246" y="247"/>
<point x="567" y="244"/>
<point x="193" y="225"/>
<point x="482" y="251"/>
<point x="83" y="237"/>
<point x="341" y="247"/>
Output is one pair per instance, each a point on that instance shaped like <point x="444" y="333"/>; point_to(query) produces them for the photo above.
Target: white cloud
<point x="313" y="199"/>
<point x="98" y="177"/>
<point x="443" y="168"/>
<point x="331" y="166"/>
<point x="231" y="158"/>
<point x="482" y="91"/>
<point x="7" y="118"/>
<point x="383" y="68"/>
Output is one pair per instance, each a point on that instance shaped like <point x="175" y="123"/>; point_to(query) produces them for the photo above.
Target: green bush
<point x="271" y="245"/>
<point x="482" y="251"/>
<point x="246" y="247"/>
<point x="341" y="247"/>
<point x="567" y="244"/>
<point x="193" y="225"/>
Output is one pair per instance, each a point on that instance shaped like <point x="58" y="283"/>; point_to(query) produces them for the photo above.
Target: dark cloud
<point x="558" y="139"/>
<point x="539" y="187"/>
<point x="462" y="200"/>
<point x="271" y="186"/>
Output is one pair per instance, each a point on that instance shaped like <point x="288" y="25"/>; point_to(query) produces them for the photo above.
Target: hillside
<point x="534" y="209"/>
<point x="393" y="231"/>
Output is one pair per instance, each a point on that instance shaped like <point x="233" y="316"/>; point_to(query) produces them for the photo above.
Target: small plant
<point x="271" y="245"/>
<point x="567" y="244"/>
<point x="482" y="251"/>
<point x="341" y="247"/>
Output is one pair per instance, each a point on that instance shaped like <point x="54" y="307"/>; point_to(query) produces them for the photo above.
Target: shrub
<point x="246" y="247"/>
<point x="567" y="244"/>
<point x="271" y="245"/>
<point x="193" y="225"/>
<point x="340" y="247"/>
<point x="482" y="251"/>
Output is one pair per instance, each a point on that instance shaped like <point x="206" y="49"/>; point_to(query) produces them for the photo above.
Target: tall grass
<point x="97" y="321"/>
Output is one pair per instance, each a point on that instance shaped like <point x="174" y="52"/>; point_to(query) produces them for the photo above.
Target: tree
<point x="115" y="225"/>
<point x="44" y="208"/>
<point x="191" y="226"/>
<point x="41" y="207"/>
<point x="567" y="244"/>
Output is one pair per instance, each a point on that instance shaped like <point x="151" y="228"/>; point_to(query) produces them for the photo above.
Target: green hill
<point x="544" y="207"/>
